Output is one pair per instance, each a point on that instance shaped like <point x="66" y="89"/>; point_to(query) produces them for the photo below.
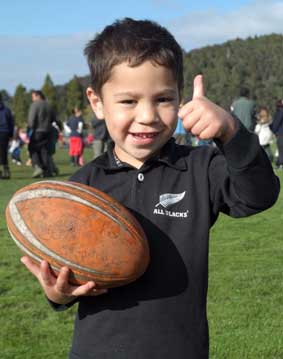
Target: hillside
<point x="254" y="62"/>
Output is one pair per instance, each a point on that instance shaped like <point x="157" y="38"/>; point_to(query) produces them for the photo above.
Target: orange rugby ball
<point x="74" y="225"/>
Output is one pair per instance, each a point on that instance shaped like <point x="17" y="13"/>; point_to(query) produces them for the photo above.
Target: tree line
<point x="62" y="98"/>
<point x="254" y="63"/>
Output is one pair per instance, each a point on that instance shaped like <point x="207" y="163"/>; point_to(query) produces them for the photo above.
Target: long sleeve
<point x="32" y="116"/>
<point x="242" y="181"/>
<point x="277" y="121"/>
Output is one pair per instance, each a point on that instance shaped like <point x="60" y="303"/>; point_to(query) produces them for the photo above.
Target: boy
<point x="176" y="192"/>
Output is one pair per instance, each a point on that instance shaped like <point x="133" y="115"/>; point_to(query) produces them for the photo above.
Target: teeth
<point x="144" y="135"/>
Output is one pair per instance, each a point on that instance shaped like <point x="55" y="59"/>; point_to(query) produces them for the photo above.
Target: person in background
<point x="84" y="139"/>
<point x="6" y="133"/>
<point x="180" y="133"/>
<point x="262" y="129"/>
<point x="244" y="109"/>
<point x="277" y="129"/>
<point x="56" y="128"/>
<point x="40" y="119"/>
<point x="74" y="127"/>
<point x="100" y="137"/>
<point x="15" y="147"/>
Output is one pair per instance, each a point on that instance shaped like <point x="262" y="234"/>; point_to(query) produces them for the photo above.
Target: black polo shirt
<point x="176" y="197"/>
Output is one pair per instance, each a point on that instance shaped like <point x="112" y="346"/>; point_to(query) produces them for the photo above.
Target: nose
<point x="146" y="114"/>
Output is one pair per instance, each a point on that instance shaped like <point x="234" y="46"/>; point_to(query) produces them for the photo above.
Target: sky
<point x="40" y="37"/>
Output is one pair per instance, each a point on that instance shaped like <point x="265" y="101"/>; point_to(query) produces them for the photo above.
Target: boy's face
<point x="140" y="106"/>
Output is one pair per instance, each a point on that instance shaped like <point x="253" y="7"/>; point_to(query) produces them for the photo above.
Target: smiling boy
<point x="176" y="193"/>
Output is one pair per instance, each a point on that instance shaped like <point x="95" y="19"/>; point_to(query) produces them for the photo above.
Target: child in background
<point x="15" y="147"/>
<point x="262" y="129"/>
<point x="74" y="127"/>
<point x="136" y="87"/>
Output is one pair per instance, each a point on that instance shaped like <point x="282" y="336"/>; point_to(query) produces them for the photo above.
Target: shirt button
<point x="140" y="177"/>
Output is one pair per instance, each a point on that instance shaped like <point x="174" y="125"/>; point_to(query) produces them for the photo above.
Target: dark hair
<point x="75" y="109"/>
<point x="38" y="93"/>
<point x="132" y="41"/>
<point x="245" y="92"/>
<point x="263" y="108"/>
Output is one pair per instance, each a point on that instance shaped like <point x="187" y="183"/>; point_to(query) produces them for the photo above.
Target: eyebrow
<point x="167" y="91"/>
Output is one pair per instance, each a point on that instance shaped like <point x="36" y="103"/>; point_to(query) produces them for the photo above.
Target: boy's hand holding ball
<point x="204" y="119"/>
<point x="58" y="289"/>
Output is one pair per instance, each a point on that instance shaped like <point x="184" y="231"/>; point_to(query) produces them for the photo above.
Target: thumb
<point x="198" y="87"/>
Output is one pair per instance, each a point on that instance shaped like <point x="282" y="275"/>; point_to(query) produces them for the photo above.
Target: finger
<point x="62" y="284"/>
<point x="190" y="107"/>
<point x="84" y="289"/>
<point x="207" y="134"/>
<point x="190" y="120"/>
<point x="31" y="266"/>
<point x="198" y="87"/>
<point x="199" y="127"/>
<point x="186" y="110"/>
<point x="46" y="274"/>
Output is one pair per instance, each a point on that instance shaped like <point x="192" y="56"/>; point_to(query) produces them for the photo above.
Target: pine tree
<point x="74" y="95"/>
<point x="49" y="92"/>
<point x="20" y="106"/>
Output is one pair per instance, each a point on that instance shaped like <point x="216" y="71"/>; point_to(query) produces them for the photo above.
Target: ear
<point x="95" y="103"/>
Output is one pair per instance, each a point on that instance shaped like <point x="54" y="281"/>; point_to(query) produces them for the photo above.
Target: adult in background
<point x="6" y="132"/>
<point x="244" y="109"/>
<point x="101" y="137"/>
<point x="40" y="120"/>
<point x="75" y="125"/>
<point x="277" y="129"/>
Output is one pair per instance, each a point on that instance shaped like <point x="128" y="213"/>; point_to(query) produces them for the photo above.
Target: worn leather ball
<point x="74" y="225"/>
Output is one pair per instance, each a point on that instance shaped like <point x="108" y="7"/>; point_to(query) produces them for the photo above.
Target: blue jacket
<point x="6" y="120"/>
<point x="73" y="123"/>
<point x="180" y="128"/>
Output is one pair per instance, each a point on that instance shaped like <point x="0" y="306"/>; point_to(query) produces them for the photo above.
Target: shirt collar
<point x="171" y="155"/>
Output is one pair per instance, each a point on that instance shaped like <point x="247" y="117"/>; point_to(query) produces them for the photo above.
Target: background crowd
<point x="44" y="132"/>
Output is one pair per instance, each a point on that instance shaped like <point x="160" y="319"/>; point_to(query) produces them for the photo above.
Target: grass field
<point x="245" y="301"/>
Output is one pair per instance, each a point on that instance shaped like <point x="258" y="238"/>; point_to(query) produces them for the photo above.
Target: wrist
<point x="61" y="300"/>
<point x="229" y="130"/>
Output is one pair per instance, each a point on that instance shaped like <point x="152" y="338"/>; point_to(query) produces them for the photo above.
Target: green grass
<point x="245" y="305"/>
<point x="245" y="301"/>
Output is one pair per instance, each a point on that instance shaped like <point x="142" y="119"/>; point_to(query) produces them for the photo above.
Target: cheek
<point x="117" y="124"/>
<point x="170" y="117"/>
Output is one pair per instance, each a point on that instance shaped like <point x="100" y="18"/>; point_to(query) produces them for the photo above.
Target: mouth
<point x="144" y="138"/>
<point x="144" y="135"/>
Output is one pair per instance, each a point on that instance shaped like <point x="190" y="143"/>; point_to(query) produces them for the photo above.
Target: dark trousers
<point x="38" y="149"/>
<point x="280" y="150"/>
<point x="4" y="142"/>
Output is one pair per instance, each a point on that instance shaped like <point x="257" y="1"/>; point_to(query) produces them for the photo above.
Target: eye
<point x="165" y="99"/>
<point x="128" y="102"/>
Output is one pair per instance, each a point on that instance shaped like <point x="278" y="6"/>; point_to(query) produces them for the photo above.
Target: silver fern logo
<point x="168" y="199"/>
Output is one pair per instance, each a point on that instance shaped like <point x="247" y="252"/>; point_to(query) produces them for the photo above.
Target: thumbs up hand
<point x="204" y="118"/>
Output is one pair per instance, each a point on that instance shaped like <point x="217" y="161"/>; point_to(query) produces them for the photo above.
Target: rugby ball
<point x="74" y="225"/>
